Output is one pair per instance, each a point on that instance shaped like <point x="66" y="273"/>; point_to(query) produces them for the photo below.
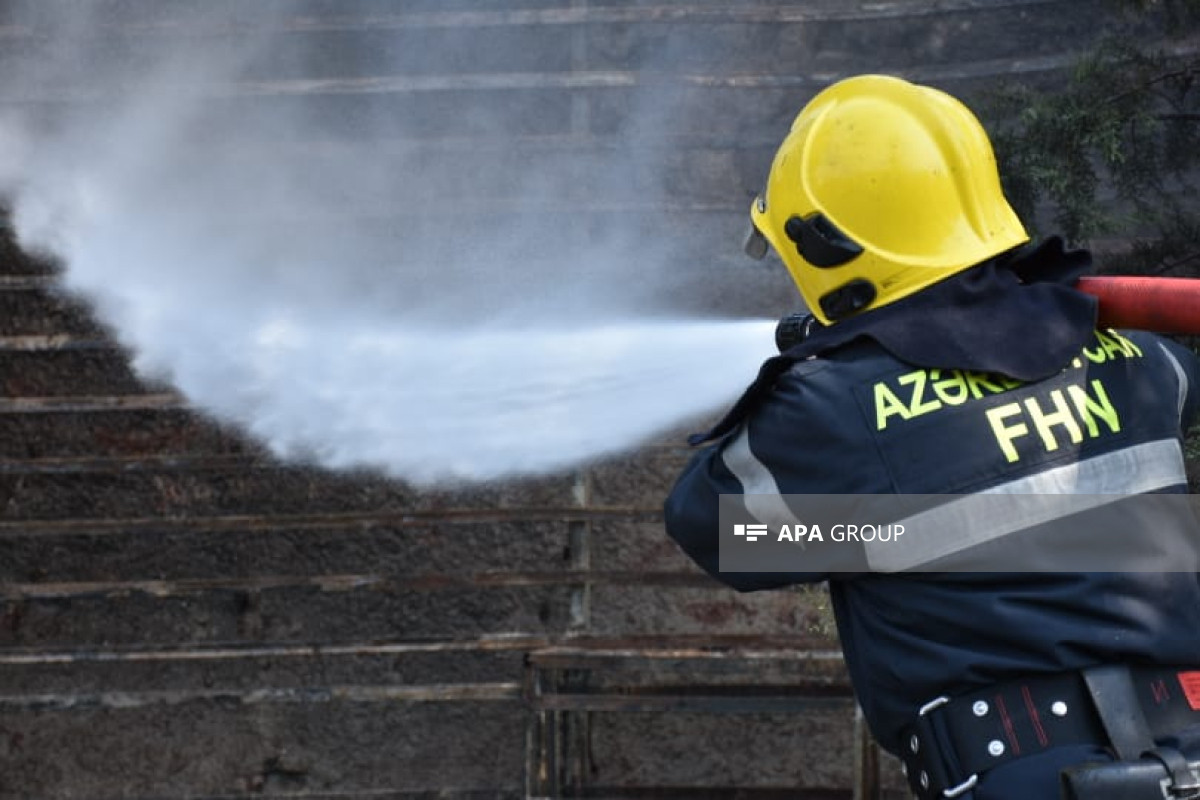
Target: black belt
<point x="955" y="740"/>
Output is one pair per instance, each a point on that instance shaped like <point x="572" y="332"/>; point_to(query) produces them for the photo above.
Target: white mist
<point x="258" y="280"/>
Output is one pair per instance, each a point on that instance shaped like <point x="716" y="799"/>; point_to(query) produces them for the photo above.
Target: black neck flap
<point x="1017" y="315"/>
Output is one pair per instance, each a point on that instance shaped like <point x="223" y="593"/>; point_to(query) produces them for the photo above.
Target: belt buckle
<point x="969" y="783"/>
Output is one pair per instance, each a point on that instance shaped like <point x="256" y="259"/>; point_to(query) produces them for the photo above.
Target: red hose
<point x="1162" y="305"/>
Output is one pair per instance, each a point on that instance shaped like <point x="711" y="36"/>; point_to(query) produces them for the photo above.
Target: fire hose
<point x="1159" y="305"/>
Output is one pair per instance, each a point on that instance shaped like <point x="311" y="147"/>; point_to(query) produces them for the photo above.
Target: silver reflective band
<point x="1049" y="495"/>
<point x="1180" y="377"/>
<point x="761" y="492"/>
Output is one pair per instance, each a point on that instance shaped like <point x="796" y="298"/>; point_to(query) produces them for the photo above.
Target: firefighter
<point x="947" y="355"/>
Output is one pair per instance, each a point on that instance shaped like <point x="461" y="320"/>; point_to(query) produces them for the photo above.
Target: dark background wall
<point x="183" y="616"/>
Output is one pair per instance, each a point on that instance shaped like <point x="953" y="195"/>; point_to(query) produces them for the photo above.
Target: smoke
<point x="355" y="254"/>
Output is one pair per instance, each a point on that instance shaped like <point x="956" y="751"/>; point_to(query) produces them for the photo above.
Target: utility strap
<point x="1111" y="687"/>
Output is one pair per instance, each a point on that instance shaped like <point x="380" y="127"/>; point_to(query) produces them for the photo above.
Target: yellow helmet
<point x="881" y="188"/>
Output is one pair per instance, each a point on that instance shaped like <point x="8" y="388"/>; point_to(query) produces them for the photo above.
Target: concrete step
<point x="562" y="69"/>
<point x="114" y="434"/>
<point x="70" y="372"/>
<point x="30" y="307"/>
<point x="335" y="612"/>
<point x="223" y="745"/>
<point x="258" y="492"/>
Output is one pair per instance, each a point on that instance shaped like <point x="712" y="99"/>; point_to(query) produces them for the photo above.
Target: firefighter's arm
<point x="691" y="514"/>
<point x="1187" y="366"/>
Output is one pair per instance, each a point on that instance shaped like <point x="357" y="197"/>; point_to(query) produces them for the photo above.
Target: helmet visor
<point x="756" y="245"/>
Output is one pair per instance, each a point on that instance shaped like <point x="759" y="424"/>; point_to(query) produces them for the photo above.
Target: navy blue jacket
<point x="860" y="420"/>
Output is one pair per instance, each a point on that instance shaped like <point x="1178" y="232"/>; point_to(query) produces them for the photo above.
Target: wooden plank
<point x="259" y="523"/>
<point x="39" y="404"/>
<point x="701" y="703"/>
<point x="54" y="342"/>
<point x="382" y="582"/>
<point x="445" y="693"/>
<point x="495" y="642"/>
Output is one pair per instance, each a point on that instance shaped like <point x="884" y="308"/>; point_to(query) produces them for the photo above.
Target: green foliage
<point x="1176" y="15"/>
<point x="1113" y="151"/>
